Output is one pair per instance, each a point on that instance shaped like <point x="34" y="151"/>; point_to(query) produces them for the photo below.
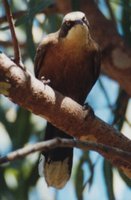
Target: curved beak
<point x="79" y="22"/>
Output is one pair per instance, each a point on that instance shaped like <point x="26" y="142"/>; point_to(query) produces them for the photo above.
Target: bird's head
<point x="75" y="26"/>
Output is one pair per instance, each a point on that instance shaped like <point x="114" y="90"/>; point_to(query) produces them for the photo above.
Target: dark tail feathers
<point x="57" y="162"/>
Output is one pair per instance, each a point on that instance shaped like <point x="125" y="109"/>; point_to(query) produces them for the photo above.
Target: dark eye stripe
<point x="66" y="26"/>
<point x="85" y="21"/>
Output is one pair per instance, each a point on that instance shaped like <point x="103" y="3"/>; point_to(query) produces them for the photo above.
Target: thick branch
<point x="62" y="111"/>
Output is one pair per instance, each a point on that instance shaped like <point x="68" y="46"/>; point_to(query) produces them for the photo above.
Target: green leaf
<point x="125" y="179"/>
<point x="30" y="42"/>
<point x="41" y="5"/>
<point x="126" y="21"/>
<point x="108" y="177"/>
<point x="79" y="178"/>
<point x="118" y="2"/>
<point x="21" y="128"/>
<point x="8" y="125"/>
<point x="80" y="183"/>
<point x="91" y="169"/>
<point x="52" y="23"/>
<point x="2" y="181"/>
<point x="33" y="177"/>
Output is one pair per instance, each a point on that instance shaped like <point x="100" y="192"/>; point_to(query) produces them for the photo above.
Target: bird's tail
<point x="56" y="164"/>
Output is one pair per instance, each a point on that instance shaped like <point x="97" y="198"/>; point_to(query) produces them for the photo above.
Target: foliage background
<point x="93" y="177"/>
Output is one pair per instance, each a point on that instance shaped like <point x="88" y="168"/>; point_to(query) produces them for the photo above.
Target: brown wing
<point x="42" y="49"/>
<point x="40" y="54"/>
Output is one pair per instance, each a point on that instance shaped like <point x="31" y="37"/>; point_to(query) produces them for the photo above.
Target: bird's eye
<point x="84" y="19"/>
<point x="68" y="23"/>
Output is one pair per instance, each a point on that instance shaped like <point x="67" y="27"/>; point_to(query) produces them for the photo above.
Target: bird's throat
<point x="77" y="36"/>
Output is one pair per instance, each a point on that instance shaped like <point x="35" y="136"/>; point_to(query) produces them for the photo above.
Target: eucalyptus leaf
<point x="79" y="180"/>
<point x="125" y="179"/>
<point x="108" y="177"/>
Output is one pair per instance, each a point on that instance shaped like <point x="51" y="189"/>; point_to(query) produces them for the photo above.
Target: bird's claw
<point x="44" y="81"/>
<point x="86" y="106"/>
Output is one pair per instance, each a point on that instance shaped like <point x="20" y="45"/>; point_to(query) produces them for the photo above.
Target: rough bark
<point x="62" y="111"/>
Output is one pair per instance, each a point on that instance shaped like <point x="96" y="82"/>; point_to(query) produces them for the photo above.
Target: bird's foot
<point x="44" y="81"/>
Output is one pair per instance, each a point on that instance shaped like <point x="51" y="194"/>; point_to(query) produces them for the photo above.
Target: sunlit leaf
<point x="120" y="2"/>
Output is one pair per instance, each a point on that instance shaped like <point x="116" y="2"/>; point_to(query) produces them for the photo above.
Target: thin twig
<point x="58" y="142"/>
<point x="17" y="56"/>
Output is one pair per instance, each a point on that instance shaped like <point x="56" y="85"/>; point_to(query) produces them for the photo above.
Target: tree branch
<point x="59" y="142"/>
<point x="42" y="100"/>
<point x="17" y="55"/>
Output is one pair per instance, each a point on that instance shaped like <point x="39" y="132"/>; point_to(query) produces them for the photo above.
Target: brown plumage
<point x="70" y="59"/>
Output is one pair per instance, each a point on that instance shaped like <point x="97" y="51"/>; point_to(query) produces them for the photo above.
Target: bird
<point x="70" y="59"/>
